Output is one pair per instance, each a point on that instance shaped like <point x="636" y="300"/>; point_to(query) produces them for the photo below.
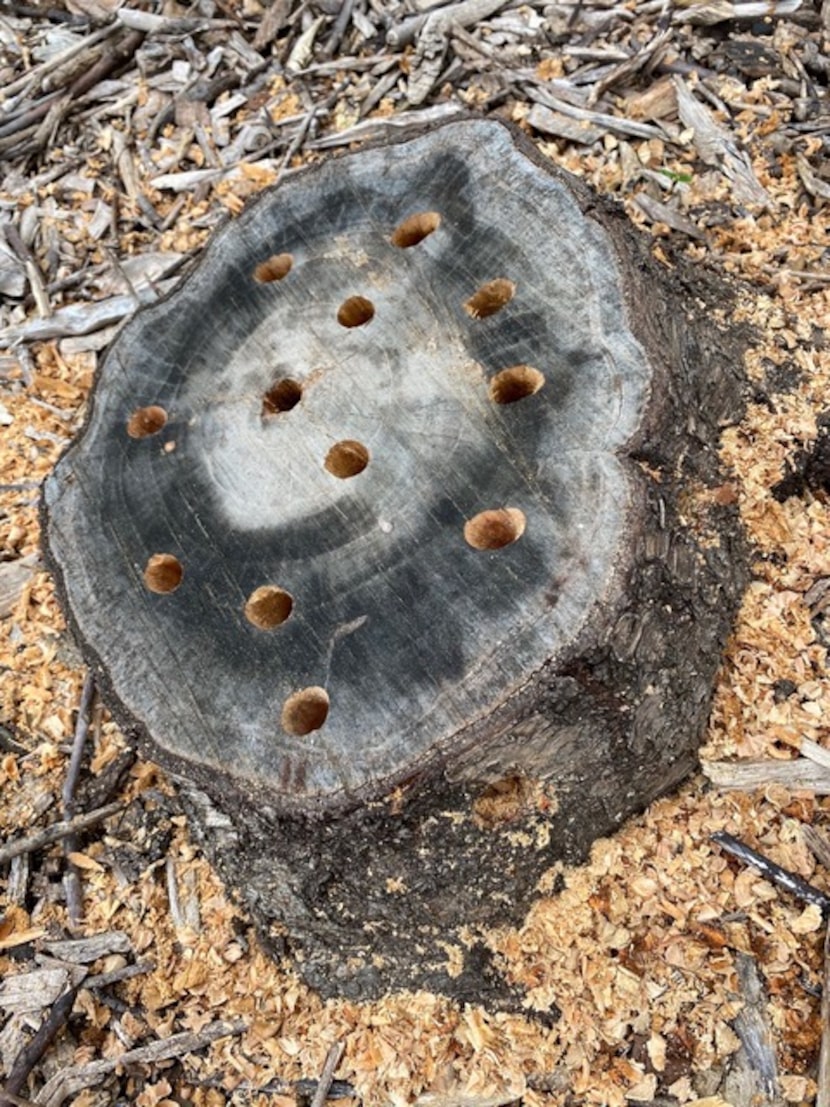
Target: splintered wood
<point x="631" y="964"/>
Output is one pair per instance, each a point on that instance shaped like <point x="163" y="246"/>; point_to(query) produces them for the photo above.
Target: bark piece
<point x="717" y="146"/>
<point x="555" y="123"/>
<point x="14" y="577"/>
<point x="823" y="1075"/>
<point x="390" y="549"/>
<point x="752" y="1077"/>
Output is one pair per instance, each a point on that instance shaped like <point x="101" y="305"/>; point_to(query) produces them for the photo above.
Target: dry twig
<point x="782" y="878"/>
<point x="70" y="1081"/>
<point x="32" y="1053"/>
<point x="823" y="1075"/>
<point x="327" y="1075"/>
<point x="57" y="831"/>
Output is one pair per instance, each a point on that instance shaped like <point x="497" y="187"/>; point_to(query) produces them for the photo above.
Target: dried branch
<point x="327" y="1075"/>
<point x="57" y="831"/>
<point x="72" y="878"/>
<point x="818" y="844"/>
<point x="79" y="741"/>
<point x="32" y="1053"/>
<point x="599" y="119"/>
<point x="35" y="77"/>
<point x="801" y="774"/>
<point x="823" y="1075"/>
<point x="51" y="110"/>
<point x="72" y="1080"/>
<point x="782" y="878"/>
<point x="717" y="147"/>
<point x="755" y="1064"/>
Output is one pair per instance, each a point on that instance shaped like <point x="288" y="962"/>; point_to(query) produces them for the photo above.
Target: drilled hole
<point x="415" y="229"/>
<point x="515" y="383"/>
<point x="281" y="396"/>
<point x="502" y="801"/>
<point x="145" y="421"/>
<point x="163" y="573"/>
<point x="490" y="530"/>
<point x="274" y="269"/>
<point x="490" y="298"/>
<point x="268" y="607"/>
<point x="355" y="311"/>
<point x="347" y="459"/>
<point x="305" y="711"/>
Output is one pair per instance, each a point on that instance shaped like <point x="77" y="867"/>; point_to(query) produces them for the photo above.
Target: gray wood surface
<point x="385" y="500"/>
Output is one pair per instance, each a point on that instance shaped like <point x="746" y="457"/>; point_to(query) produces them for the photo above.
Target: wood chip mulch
<point x="677" y="974"/>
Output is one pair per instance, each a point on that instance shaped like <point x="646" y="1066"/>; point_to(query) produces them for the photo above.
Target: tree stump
<point x="398" y="532"/>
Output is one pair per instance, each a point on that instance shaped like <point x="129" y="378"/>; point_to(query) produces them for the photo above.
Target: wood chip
<point x="14" y="576"/>
<point x="717" y="147"/>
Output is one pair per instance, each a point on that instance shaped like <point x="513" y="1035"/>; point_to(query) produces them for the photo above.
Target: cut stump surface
<point x="395" y="531"/>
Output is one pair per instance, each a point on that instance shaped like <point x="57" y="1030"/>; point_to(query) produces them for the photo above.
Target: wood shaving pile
<point x="632" y="958"/>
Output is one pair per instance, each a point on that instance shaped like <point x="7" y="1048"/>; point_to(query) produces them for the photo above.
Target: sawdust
<point x="637" y="947"/>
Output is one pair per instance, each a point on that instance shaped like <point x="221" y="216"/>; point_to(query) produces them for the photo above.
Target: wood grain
<point x="404" y="493"/>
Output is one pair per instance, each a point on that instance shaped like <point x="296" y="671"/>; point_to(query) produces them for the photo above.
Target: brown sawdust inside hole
<point x="346" y="459"/>
<point x="514" y="384"/>
<point x="415" y="229"/>
<point x="502" y="801"/>
<point x="490" y="298"/>
<point x="274" y="268"/>
<point x="268" y="606"/>
<point x="494" y="529"/>
<point x="355" y="312"/>
<point x="305" y="711"/>
<point x="146" y="421"/>
<point x="282" y="396"/>
<point x="163" y="573"/>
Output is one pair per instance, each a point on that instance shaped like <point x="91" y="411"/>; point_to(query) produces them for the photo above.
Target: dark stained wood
<point x="398" y="533"/>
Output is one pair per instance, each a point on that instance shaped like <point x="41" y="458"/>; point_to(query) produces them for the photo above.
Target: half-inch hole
<point x="415" y="229"/>
<point x="490" y="530"/>
<point x="490" y="298"/>
<point x="355" y="311"/>
<point x="502" y="801"/>
<point x="268" y="606"/>
<point x="515" y="383"/>
<point x="346" y="459"/>
<point x="281" y="396"/>
<point x="145" y="421"/>
<point x="163" y="573"/>
<point x="305" y="711"/>
<point x="274" y="268"/>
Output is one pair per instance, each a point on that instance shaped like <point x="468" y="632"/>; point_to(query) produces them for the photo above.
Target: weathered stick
<point x="613" y="123"/>
<point x="79" y="741"/>
<point x="818" y="844"/>
<point x="69" y="1081"/>
<point x="815" y="752"/>
<point x="56" y="831"/>
<point x="51" y="110"/>
<point x="106" y="979"/>
<point x="18" y="1100"/>
<point x="109" y="60"/>
<point x="755" y="1061"/>
<point x="32" y="1053"/>
<point x="823" y="1076"/>
<point x="802" y="773"/>
<point x="783" y="878"/>
<point x="33" y="274"/>
<point x="339" y="29"/>
<point x="36" y="75"/>
<point x="327" y="1075"/>
<point x="72" y="879"/>
<point x="302" y="1089"/>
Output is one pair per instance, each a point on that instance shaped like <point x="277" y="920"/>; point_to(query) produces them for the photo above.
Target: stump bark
<point x="398" y="533"/>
